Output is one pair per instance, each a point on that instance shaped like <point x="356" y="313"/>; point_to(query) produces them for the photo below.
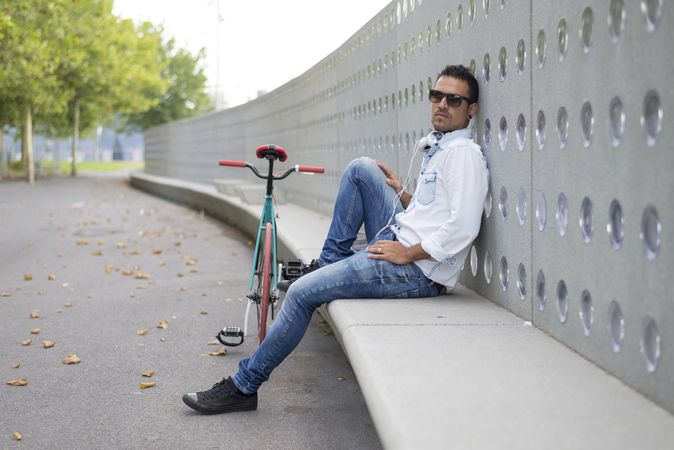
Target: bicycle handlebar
<point x="297" y="168"/>
<point x="310" y="169"/>
<point x="231" y="163"/>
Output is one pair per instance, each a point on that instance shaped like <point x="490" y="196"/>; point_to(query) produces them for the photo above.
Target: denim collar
<point x="465" y="133"/>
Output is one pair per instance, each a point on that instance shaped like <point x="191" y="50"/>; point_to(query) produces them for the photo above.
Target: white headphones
<point x="425" y="143"/>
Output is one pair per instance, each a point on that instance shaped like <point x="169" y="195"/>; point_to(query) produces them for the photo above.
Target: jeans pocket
<point x="427" y="188"/>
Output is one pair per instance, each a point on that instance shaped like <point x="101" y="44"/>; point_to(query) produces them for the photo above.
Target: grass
<point x="16" y="169"/>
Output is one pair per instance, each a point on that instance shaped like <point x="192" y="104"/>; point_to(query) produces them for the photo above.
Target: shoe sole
<point x="204" y="410"/>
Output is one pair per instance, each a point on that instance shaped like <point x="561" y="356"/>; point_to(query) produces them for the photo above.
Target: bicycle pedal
<point x="230" y="332"/>
<point x="293" y="269"/>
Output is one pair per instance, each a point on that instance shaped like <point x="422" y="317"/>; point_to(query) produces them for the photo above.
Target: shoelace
<point x="216" y="390"/>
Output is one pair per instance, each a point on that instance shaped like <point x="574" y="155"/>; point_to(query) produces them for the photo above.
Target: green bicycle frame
<point x="267" y="216"/>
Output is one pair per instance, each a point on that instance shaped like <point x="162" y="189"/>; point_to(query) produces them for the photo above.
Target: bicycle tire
<point x="265" y="276"/>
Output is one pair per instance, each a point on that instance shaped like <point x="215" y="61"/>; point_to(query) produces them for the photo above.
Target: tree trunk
<point x="76" y="133"/>
<point x="27" y="143"/>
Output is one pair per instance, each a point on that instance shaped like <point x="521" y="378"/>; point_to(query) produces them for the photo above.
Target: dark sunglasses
<point x="453" y="100"/>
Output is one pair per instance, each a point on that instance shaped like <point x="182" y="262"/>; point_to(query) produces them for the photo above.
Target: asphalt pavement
<point x="131" y="283"/>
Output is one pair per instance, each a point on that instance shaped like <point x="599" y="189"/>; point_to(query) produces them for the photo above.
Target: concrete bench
<point x="456" y="371"/>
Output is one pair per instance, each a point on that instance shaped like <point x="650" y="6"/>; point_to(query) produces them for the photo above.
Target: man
<point x="417" y="243"/>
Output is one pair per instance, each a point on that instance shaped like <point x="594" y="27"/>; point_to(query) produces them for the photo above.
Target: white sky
<point x="263" y="43"/>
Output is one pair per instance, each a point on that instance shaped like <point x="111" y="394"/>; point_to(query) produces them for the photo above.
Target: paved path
<point x="107" y="261"/>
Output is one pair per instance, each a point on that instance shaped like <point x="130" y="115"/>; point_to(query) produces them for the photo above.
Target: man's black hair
<point x="462" y="73"/>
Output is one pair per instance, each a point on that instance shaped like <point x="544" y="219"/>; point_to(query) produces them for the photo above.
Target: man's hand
<point x="393" y="181"/>
<point x="395" y="252"/>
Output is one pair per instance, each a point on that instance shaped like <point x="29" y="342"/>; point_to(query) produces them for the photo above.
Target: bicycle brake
<point x="230" y="332"/>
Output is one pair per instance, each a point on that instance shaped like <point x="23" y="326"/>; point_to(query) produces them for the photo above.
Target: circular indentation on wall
<point x="522" y="281"/>
<point x="486" y="135"/>
<point x="504" y="274"/>
<point x="502" y="64"/>
<point x="486" y="68"/>
<point x="473" y="261"/>
<point x="562" y="39"/>
<point x="541" y="211"/>
<point x="521" y="133"/>
<point x="485" y="6"/>
<point x="650" y="343"/>
<point x="587" y="123"/>
<point x="540" y="129"/>
<point x="541" y="297"/>
<point x="503" y="133"/>
<point x="540" y="48"/>
<point x="586" y="226"/>
<point x="472" y="67"/>
<point x="616" y="326"/>
<point x="404" y="8"/>
<point x="438" y="31"/>
<point x="586" y="312"/>
<point x="652" y="11"/>
<point x="471" y="11"/>
<point x="520" y="56"/>
<point x="651" y="229"/>
<point x="562" y="214"/>
<point x="562" y="126"/>
<point x="616" y="122"/>
<point x="398" y="13"/>
<point x="487" y="267"/>
<point x="562" y="301"/>
<point x="651" y="118"/>
<point x="521" y="206"/>
<point x="503" y="203"/>
<point x="459" y="19"/>
<point x="487" y="203"/>
<point x="586" y="30"/>
<point x="615" y="225"/>
<point x="448" y="24"/>
<point x="616" y="20"/>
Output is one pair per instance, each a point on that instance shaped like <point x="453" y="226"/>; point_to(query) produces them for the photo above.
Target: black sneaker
<point x="223" y="397"/>
<point x="283" y="285"/>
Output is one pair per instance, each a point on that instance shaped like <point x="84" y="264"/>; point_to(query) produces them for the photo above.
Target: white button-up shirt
<point x="445" y="212"/>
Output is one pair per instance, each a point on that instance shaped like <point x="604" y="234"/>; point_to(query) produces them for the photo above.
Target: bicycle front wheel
<point x="265" y="276"/>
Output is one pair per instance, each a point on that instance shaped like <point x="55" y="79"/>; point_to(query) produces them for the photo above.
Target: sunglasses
<point x="453" y="100"/>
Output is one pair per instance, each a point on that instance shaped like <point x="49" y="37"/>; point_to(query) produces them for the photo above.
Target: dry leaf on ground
<point x="190" y="261"/>
<point x="109" y="268"/>
<point x="213" y="342"/>
<point x="34" y="315"/>
<point x="121" y="245"/>
<point x="97" y="253"/>
<point x="48" y="344"/>
<point x="128" y="273"/>
<point x="221" y="352"/>
<point x="194" y="270"/>
<point x="35" y="331"/>
<point x="17" y="382"/>
<point x="82" y="242"/>
<point x="100" y="242"/>
<point x="5" y="294"/>
<point x="148" y="373"/>
<point x="51" y="277"/>
<point x="17" y="436"/>
<point x="156" y="251"/>
<point x="135" y="251"/>
<point x="16" y="365"/>
<point x="142" y="332"/>
<point x="71" y="359"/>
<point x="26" y="342"/>
<point x="146" y="385"/>
<point x="204" y="313"/>
<point x="180" y="274"/>
<point x="142" y="276"/>
<point x="163" y="324"/>
<point x="27" y="277"/>
<point x="68" y="304"/>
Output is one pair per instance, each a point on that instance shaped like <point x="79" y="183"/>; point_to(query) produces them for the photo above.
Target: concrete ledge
<point x="456" y="371"/>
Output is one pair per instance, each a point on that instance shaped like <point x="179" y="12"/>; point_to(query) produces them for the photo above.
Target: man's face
<point x="447" y="118"/>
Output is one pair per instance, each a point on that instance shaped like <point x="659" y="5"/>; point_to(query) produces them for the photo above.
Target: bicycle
<point x="264" y="267"/>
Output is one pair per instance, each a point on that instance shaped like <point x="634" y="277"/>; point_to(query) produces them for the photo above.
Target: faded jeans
<point x="364" y="198"/>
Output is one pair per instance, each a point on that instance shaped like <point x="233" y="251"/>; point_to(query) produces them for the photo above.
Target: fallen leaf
<point x="97" y="253"/>
<point x="204" y="295"/>
<point x="142" y="332"/>
<point x="27" y="277"/>
<point x="163" y="324"/>
<point x="183" y="289"/>
<point x="51" y="277"/>
<point x="82" y="242"/>
<point x="162" y="339"/>
<point x="60" y="255"/>
<point x="204" y="313"/>
<point x="135" y="252"/>
<point x="17" y="382"/>
<point x="180" y="275"/>
<point x="221" y="352"/>
<point x="140" y="287"/>
<point x="142" y="276"/>
<point x="71" y="359"/>
<point x="194" y="270"/>
<point x="121" y="245"/>
<point x="100" y="242"/>
<point x="17" y="436"/>
<point x="26" y="342"/>
<point x="109" y="268"/>
<point x="68" y="304"/>
<point x="34" y="315"/>
<point x="59" y="311"/>
<point x="146" y="385"/>
<point x="213" y="342"/>
<point x="35" y="331"/>
<point x="190" y="261"/>
<point x="156" y="251"/>
<point x="162" y="263"/>
<point x="128" y="273"/>
<point x="16" y="365"/>
<point x="148" y="373"/>
<point x="48" y="344"/>
<point x="5" y="294"/>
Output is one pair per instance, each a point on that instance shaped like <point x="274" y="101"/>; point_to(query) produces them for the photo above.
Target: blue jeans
<point x="364" y="198"/>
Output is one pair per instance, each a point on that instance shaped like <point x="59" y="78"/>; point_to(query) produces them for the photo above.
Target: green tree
<point x="186" y="94"/>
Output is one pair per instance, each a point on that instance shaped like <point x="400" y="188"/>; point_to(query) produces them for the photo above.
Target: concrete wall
<point x="575" y="121"/>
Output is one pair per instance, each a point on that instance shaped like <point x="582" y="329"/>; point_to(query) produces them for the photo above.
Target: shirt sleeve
<point x="465" y="178"/>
